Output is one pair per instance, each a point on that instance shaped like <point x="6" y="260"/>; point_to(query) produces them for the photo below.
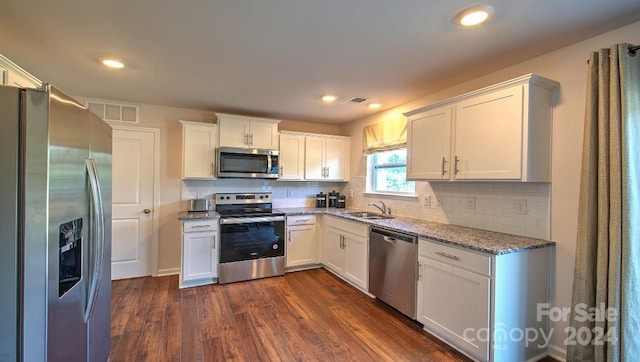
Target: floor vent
<point x="114" y="111"/>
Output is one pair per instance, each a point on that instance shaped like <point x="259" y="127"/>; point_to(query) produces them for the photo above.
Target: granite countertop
<point x="185" y="215"/>
<point x="477" y="239"/>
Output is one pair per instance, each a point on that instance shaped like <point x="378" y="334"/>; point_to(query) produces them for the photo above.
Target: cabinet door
<point x="199" y="148"/>
<point x="429" y="145"/>
<point x="263" y="135"/>
<point x="357" y="260"/>
<point x="455" y="306"/>
<point x="234" y="132"/>
<point x="314" y="158"/>
<point x="489" y="137"/>
<point x="334" y="252"/>
<point x="199" y="256"/>
<point x="291" y="157"/>
<point x="335" y="159"/>
<point x="301" y="245"/>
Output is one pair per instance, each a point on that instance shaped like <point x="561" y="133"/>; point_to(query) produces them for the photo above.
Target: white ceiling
<point x="275" y="58"/>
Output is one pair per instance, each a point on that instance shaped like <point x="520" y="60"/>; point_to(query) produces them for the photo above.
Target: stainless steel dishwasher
<point x="393" y="267"/>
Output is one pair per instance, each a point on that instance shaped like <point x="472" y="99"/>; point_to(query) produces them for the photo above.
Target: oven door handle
<point x="245" y="220"/>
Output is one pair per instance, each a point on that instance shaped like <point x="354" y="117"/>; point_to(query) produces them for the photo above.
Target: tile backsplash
<point x="508" y="207"/>
<point x="285" y="193"/>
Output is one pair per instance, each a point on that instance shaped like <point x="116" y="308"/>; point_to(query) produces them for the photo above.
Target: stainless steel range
<point x="252" y="237"/>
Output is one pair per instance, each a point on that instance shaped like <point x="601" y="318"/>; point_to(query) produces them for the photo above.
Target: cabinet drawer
<point x="301" y="220"/>
<point x="353" y="227"/>
<point x="200" y="225"/>
<point x="469" y="260"/>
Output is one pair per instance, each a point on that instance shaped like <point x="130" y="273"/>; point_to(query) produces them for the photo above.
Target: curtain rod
<point x="633" y="50"/>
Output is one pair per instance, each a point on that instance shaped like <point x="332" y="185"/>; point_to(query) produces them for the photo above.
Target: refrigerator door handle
<point x="96" y="237"/>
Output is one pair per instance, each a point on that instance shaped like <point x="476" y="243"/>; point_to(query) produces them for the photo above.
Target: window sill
<point x="390" y="195"/>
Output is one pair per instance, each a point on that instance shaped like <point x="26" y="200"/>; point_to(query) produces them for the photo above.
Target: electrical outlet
<point x="520" y="207"/>
<point x="427" y="200"/>
<point x="471" y="203"/>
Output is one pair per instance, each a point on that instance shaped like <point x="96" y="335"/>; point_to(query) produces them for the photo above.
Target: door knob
<point x="147" y="211"/>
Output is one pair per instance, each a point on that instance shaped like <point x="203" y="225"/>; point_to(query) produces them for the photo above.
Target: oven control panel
<point x="243" y="198"/>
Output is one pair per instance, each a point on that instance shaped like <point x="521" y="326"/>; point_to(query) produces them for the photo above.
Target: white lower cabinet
<point x="300" y="248"/>
<point x="199" y="264"/>
<point x="481" y="304"/>
<point x="346" y="250"/>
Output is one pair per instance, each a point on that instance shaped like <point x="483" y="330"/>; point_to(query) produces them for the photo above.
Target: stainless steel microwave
<point x="246" y="163"/>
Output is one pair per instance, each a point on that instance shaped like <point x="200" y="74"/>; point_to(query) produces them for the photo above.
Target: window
<point x="388" y="172"/>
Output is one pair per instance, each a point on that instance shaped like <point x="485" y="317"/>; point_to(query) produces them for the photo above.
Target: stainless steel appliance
<point x="200" y="205"/>
<point x="55" y="270"/>
<point x="393" y="265"/>
<point x="247" y="163"/>
<point x="252" y="237"/>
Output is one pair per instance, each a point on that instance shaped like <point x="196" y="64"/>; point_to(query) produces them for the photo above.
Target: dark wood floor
<point x="302" y="316"/>
<point x="308" y="315"/>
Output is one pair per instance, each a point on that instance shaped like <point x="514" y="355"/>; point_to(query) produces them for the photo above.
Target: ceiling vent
<point x="355" y="100"/>
<point x="114" y="111"/>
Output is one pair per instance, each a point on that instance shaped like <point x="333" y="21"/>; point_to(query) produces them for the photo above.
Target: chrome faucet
<point x="382" y="209"/>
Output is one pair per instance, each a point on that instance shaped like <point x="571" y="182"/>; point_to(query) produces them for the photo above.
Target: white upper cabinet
<point x="429" y="135"/>
<point x="247" y="132"/>
<point x="291" y="156"/>
<point x="199" y="141"/>
<point x="327" y="158"/>
<point x="502" y="132"/>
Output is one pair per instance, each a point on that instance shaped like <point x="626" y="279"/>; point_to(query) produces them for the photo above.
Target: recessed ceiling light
<point x="474" y="15"/>
<point x="374" y="105"/>
<point x="112" y="63"/>
<point x="329" y="98"/>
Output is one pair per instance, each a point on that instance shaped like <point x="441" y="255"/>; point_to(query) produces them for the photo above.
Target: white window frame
<point x="371" y="167"/>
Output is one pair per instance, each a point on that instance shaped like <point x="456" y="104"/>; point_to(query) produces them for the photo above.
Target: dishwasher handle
<point x="393" y="237"/>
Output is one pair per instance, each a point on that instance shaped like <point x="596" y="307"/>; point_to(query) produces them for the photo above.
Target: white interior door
<point x="133" y="202"/>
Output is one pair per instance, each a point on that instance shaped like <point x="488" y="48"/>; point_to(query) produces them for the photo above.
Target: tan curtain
<point x="607" y="270"/>
<point x="386" y="135"/>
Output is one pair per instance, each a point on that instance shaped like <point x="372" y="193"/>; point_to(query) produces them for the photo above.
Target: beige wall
<point x="569" y="67"/>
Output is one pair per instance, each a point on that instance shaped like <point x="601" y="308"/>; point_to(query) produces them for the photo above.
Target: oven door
<point x="247" y="238"/>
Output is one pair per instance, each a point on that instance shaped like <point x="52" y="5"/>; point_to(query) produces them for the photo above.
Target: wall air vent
<point x="356" y="100"/>
<point x="114" y="111"/>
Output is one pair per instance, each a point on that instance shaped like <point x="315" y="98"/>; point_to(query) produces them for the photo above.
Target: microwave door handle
<point x="269" y="164"/>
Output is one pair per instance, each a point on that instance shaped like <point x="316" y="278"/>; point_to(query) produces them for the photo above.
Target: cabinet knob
<point x="147" y="211"/>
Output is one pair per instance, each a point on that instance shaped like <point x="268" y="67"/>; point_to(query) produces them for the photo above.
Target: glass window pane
<point x="388" y="172"/>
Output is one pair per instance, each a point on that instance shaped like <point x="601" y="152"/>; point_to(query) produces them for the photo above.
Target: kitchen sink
<point x="368" y="215"/>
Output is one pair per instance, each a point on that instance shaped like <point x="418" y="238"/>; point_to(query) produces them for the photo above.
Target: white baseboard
<point x="558" y="353"/>
<point x="165" y="272"/>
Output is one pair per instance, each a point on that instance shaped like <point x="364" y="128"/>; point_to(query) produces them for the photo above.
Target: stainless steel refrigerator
<point x="55" y="228"/>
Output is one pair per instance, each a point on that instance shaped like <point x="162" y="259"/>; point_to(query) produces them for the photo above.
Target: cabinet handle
<point x="303" y="220"/>
<point x="246" y="139"/>
<point x="289" y="232"/>
<point x="419" y="271"/>
<point x="201" y="226"/>
<point x="450" y="256"/>
<point x="327" y="172"/>
<point x="455" y="167"/>
<point x="444" y="162"/>
<point x="251" y="139"/>
<point x="214" y="242"/>
<point x="281" y="170"/>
